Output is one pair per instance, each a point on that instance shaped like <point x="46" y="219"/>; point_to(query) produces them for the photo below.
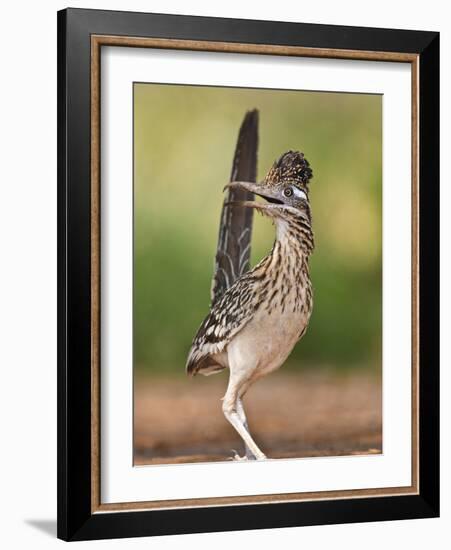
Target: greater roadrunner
<point x="257" y="316"/>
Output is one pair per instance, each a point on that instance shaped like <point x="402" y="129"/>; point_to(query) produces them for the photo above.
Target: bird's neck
<point x="295" y="235"/>
<point x="287" y="266"/>
<point x="289" y="256"/>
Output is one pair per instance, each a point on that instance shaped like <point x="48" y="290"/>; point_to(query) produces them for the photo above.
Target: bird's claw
<point x="237" y="457"/>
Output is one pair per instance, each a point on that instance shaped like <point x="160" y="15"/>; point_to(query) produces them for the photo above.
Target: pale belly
<point x="265" y="343"/>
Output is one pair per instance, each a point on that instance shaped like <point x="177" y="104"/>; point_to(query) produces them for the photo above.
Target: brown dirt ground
<point x="290" y="415"/>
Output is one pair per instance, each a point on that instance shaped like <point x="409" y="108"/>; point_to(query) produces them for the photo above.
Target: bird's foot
<point x="237" y="457"/>
<point x="246" y="457"/>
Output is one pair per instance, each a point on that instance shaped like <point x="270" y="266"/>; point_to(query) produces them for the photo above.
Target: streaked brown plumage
<point x="255" y="323"/>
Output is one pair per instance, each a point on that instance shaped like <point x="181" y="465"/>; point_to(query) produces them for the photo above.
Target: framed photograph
<point x="248" y="274"/>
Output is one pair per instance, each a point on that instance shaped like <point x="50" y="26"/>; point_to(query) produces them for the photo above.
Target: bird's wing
<point x="235" y="229"/>
<point x="229" y="314"/>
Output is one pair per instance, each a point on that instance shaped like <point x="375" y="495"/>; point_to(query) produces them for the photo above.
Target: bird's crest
<point x="291" y="167"/>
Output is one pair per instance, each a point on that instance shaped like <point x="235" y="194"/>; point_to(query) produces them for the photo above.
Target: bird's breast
<point x="267" y="340"/>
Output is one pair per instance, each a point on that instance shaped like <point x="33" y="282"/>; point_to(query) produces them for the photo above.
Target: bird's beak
<point x="245" y="185"/>
<point x="263" y="191"/>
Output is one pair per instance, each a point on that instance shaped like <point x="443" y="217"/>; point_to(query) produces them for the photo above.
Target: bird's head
<point x="285" y="188"/>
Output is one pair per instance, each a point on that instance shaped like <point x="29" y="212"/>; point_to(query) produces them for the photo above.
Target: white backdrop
<point x="28" y="274"/>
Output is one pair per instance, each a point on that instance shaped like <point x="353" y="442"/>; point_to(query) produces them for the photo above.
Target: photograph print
<point x="257" y="274"/>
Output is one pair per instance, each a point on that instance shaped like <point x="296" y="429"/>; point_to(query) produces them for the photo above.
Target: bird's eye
<point x="288" y="192"/>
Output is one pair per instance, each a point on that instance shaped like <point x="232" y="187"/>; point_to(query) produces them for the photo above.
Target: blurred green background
<point x="184" y="140"/>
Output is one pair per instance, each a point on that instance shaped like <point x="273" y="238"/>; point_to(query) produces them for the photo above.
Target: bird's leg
<point x="240" y="410"/>
<point x="229" y="407"/>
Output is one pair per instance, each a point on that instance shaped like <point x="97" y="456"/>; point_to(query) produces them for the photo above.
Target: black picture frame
<point x="76" y="521"/>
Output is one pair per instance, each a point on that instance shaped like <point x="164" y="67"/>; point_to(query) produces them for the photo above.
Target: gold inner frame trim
<point x="97" y="41"/>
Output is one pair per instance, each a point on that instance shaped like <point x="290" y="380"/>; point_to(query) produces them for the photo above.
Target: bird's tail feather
<point x="235" y="228"/>
<point x="205" y="366"/>
<point x="235" y="232"/>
